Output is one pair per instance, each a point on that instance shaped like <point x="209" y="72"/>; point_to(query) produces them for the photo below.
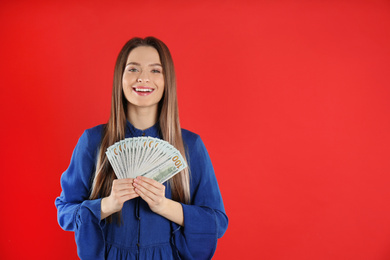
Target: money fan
<point x="145" y="156"/>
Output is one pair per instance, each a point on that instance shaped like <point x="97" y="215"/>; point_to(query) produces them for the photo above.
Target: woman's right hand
<point x="122" y="190"/>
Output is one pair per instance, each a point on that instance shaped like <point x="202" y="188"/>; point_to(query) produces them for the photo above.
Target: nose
<point x="143" y="77"/>
<point x="139" y="80"/>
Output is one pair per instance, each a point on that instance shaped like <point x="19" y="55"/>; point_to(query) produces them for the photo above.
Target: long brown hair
<point x="169" y="122"/>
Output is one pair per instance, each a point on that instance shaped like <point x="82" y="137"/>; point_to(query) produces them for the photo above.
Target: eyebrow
<point x="137" y="64"/>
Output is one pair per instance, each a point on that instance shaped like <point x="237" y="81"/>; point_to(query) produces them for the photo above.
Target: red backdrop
<point x="291" y="99"/>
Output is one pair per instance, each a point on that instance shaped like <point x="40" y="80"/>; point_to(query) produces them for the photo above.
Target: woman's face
<point x="143" y="80"/>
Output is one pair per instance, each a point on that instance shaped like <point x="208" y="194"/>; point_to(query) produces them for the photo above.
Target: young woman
<point x="141" y="218"/>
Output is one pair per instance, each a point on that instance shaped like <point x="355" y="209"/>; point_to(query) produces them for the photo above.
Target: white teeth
<point x="143" y="90"/>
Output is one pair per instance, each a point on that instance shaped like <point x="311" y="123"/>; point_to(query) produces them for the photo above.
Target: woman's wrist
<point x="105" y="210"/>
<point x="173" y="211"/>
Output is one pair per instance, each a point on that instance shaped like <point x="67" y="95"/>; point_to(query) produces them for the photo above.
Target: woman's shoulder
<point x="192" y="141"/>
<point x="189" y="137"/>
<point x="92" y="136"/>
<point x="96" y="130"/>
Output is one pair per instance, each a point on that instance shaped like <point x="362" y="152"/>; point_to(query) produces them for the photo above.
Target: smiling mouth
<point x="143" y="89"/>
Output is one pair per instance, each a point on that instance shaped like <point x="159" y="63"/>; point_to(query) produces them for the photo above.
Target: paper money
<point x="145" y="156"/>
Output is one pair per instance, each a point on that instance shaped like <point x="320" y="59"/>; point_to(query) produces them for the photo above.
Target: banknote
<point x="145" y="156"/>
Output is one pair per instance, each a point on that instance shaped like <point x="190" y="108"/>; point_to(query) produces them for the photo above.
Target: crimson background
<point x="290" y="97"/>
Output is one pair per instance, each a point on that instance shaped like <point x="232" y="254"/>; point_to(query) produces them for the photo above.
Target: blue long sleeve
<point x="75" y="212"/>
<point x="205" y="219"/>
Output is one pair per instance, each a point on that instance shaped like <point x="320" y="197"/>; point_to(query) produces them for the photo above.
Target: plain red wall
<point x="290" y="97"/>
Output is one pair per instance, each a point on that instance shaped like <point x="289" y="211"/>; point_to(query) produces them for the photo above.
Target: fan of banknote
<point x="145" y="156"/>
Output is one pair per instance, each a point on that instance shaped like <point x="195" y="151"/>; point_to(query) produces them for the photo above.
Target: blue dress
<point x="142" y="234"/>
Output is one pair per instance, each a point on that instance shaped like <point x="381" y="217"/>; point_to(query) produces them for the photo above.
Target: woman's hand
<point x="122" y="190"/>
<point x="153" y="193"/>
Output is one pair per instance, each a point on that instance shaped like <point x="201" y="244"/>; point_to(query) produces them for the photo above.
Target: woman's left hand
<point x="152" y="192"/>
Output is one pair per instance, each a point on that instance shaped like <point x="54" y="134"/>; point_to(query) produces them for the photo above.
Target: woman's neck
<point x="142" y="117"/>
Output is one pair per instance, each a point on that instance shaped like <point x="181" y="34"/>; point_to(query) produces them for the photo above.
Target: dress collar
<point x="153" y="131"/>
